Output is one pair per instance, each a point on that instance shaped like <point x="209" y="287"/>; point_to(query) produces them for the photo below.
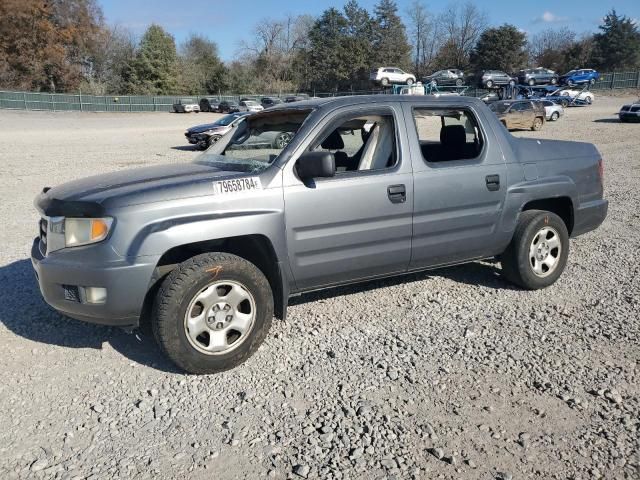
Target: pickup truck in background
<point x="366" y="187"/>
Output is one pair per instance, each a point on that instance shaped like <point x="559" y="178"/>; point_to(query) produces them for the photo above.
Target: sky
<point x="228" y="22"/>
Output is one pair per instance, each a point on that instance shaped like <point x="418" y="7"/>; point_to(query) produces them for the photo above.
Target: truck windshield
<point x="255" y="142"/>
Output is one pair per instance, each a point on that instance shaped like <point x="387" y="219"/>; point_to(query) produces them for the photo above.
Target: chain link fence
<point x="141" y="103"/>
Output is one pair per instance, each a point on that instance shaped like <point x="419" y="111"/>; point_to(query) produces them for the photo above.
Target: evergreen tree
<point x="390" y="37"/>
<point x="502" y="48"/>
<point x="329" y="60"/>
<point x="156" y="64"/>
<point x="359" y="42"/>
<point x="617" y="47"/>
<point x="201" y="69"/>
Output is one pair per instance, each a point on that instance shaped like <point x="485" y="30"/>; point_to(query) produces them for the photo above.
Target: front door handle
<point x="493" y="182"/>
<point x="397" y="193"/>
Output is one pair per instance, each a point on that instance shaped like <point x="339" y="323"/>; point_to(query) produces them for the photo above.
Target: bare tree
<point x="462" y="25"/>
<point x="421" y="26"/>
<point x="548" y="48"/>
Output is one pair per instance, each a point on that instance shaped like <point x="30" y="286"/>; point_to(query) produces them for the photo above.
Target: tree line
<point x="66" y="46"/>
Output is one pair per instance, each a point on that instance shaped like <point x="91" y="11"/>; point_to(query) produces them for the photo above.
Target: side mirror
<point x="316" y="165"/>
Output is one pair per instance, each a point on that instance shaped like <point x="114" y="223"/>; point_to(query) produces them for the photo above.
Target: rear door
<point x="459" y="186"/>
<point x="358" y="224"/>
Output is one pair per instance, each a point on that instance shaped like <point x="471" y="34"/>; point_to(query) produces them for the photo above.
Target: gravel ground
<point x="448" y="374"/>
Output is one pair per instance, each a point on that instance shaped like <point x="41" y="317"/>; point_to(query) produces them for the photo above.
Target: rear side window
<point x="447" y="134"/>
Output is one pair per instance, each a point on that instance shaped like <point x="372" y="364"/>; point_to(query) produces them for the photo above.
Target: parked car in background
<point x="295" y="98"/>
<point x="227" y="106"/>
<point x="552" y="111"/>
<point x="578" y="77"/>
<point x="519" y="114"/>
<point x="186" y="105"/>
<point x="583" y="96"/>
<point x="209" y="104"/>
<point x="630" y="112"/>
<point x="391" y="75"/>
<point x="250" y="106"/>
<point x="496" y="78"/>
<point x="267" y="102"/>
<point x="537" y="76"/>
<point x="205" y="135"/>
<point x="451" y="76"/>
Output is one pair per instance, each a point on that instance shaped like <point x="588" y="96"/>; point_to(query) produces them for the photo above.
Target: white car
<point x="585" y="96"/>
<point x="250" y="106"/>
<point x="186" y="105"/>
<point x="389" y="75"/>
<point x="552" y="111"/>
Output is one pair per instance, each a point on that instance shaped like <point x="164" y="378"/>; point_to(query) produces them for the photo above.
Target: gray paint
<point x="331" y="231"/>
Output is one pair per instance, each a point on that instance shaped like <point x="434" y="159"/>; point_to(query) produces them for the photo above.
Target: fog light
<point x="95" y="295"/>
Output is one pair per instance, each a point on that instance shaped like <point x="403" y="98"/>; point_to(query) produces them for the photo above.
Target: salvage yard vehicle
<point x="630" y="113"/>
<point x="451" y="76"/>
<point x="186" y="105"/>
<point x="514" y="114"/>
<point x="537" y="76"/>
<point x="552" y="111"/>
<point x="228" y="106"/>
<point x="209" y="104"/>
<point x="250" y="106"/>
<point x="386" y="76"/>
<point x="579" y="76"/>
<point x="205" y="135"/>
<point x="496" y="78"/>
<point x="367" y="187"/>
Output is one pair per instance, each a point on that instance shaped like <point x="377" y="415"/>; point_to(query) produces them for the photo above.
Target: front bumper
<point x="589" y="216"/>
<point x="127" y="282"/>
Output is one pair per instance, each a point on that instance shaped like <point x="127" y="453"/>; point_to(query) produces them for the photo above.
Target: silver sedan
<point x="552" y="111"/>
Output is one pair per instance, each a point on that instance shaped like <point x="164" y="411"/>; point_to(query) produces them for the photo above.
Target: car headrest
<point x="453" y="135"/>
<point x="333" y="141"/>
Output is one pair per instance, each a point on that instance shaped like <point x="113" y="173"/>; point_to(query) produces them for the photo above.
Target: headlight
<point x="83" y="231"/>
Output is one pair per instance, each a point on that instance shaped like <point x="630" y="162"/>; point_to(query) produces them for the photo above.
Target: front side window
<point x="257" y="141"/>
<point x="365" y="142"/>
<point x="447" y="134"/>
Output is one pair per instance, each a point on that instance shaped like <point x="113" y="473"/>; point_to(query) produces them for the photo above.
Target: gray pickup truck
<point x="368" y="187"/>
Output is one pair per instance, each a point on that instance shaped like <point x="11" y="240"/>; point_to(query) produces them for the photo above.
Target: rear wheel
<point x="537" y="124"/>
<point x="588" y="99"/>
<point x="459" y="82"/>
<point x="409" y="81"/>
<point x="554" y="81"/>
<point x="489" y="83"/>
<point x="213" y="139"/>
<point x="384" y="82"/>
<point x="532" y="82"/>
<point x="592" y="81"/>
<point x="538" y="252"/>
<point x="212" y="312"/>
<point x="282" y="140"/>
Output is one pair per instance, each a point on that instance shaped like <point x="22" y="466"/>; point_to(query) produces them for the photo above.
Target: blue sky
<point x="227" y="22"/>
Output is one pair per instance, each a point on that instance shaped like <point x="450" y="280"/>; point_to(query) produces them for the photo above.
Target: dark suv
<point x="496" y="78"/>
<point x="537" y="76"/>
<point x="267" y="102"/>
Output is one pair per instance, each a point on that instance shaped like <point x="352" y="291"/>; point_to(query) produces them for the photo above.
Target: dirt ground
<point x="449" y="374"/>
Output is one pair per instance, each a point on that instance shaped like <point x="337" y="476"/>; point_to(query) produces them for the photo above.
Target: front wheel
<point x="384" y="82"/>
<point x="212" y="312"/>
<point x="532" y="82"/>
<point x="588" y="99"/>
<point x="555" y="116"/>
<point x="489" y="83"/>
<point x="213" y="139"/>
<point x="554" y="81"/>
<point x="459" y="82"/>
<point x="409" y="81"/>
<point x="512" y="83"/>
<point x="282" y="140"/>
<point x="538" y="252"/>
<point x="592" y="81"/>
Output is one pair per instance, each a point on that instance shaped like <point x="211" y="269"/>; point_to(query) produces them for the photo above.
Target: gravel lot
<point x="448" y="374"/>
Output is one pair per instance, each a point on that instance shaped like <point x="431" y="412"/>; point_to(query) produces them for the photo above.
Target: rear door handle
<point x="397" y="193"/>
<point x="493" y="182"/>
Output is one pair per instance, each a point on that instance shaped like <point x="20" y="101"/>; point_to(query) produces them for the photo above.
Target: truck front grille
<point x="44" y="225"/>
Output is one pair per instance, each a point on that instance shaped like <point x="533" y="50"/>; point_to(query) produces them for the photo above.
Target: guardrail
<point x="142" y="103"/>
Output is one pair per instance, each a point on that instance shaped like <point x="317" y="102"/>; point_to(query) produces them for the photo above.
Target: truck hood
<point x="206" y="127"/>
<point x="99" y="193"/>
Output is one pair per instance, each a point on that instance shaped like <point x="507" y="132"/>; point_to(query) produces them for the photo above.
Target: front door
<point x="459" y="184"/>
<point x="357" y="224"/>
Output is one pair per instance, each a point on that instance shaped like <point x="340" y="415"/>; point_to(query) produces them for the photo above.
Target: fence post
<point x="24" y="100"/>
<point x="80" y="97"/>
<point x="154" y="104"/>
<point x="638" y="80"/>
<point x="613" y="80"/>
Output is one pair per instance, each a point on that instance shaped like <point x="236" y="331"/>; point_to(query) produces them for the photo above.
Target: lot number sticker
<point x="236" y="185"/>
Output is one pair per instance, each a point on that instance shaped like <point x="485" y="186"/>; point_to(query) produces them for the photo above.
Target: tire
<point x="384" y="82"/>
<point x="564" y="103"/>
<point x="434" y="83"/>
<point x="459" y="82"/>
<point x="532" y="82"/>
<point x="213" y="139"/>
<point x="409" y="81"/>
<point x="281" y="140"/>
<point x="489" y="83"/>
<point x="588" y="99"/>
<point x="517" y="265"/>
<point x="245" y="286"/>
<point x="592" y="81"/>
<point x="537" y="124"/>
<point x="555" y="116"/>
<point x="554" y="81"/>
<point x="512" y="83"/>
<point x="570" y="83"/>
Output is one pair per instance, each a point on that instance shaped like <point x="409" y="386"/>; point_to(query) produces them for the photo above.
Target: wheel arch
<point x="255" y="248"/>
<point x="561" y="206"/>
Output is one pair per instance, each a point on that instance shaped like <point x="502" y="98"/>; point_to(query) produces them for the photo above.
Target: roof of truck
<point x="369" y="99"/>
